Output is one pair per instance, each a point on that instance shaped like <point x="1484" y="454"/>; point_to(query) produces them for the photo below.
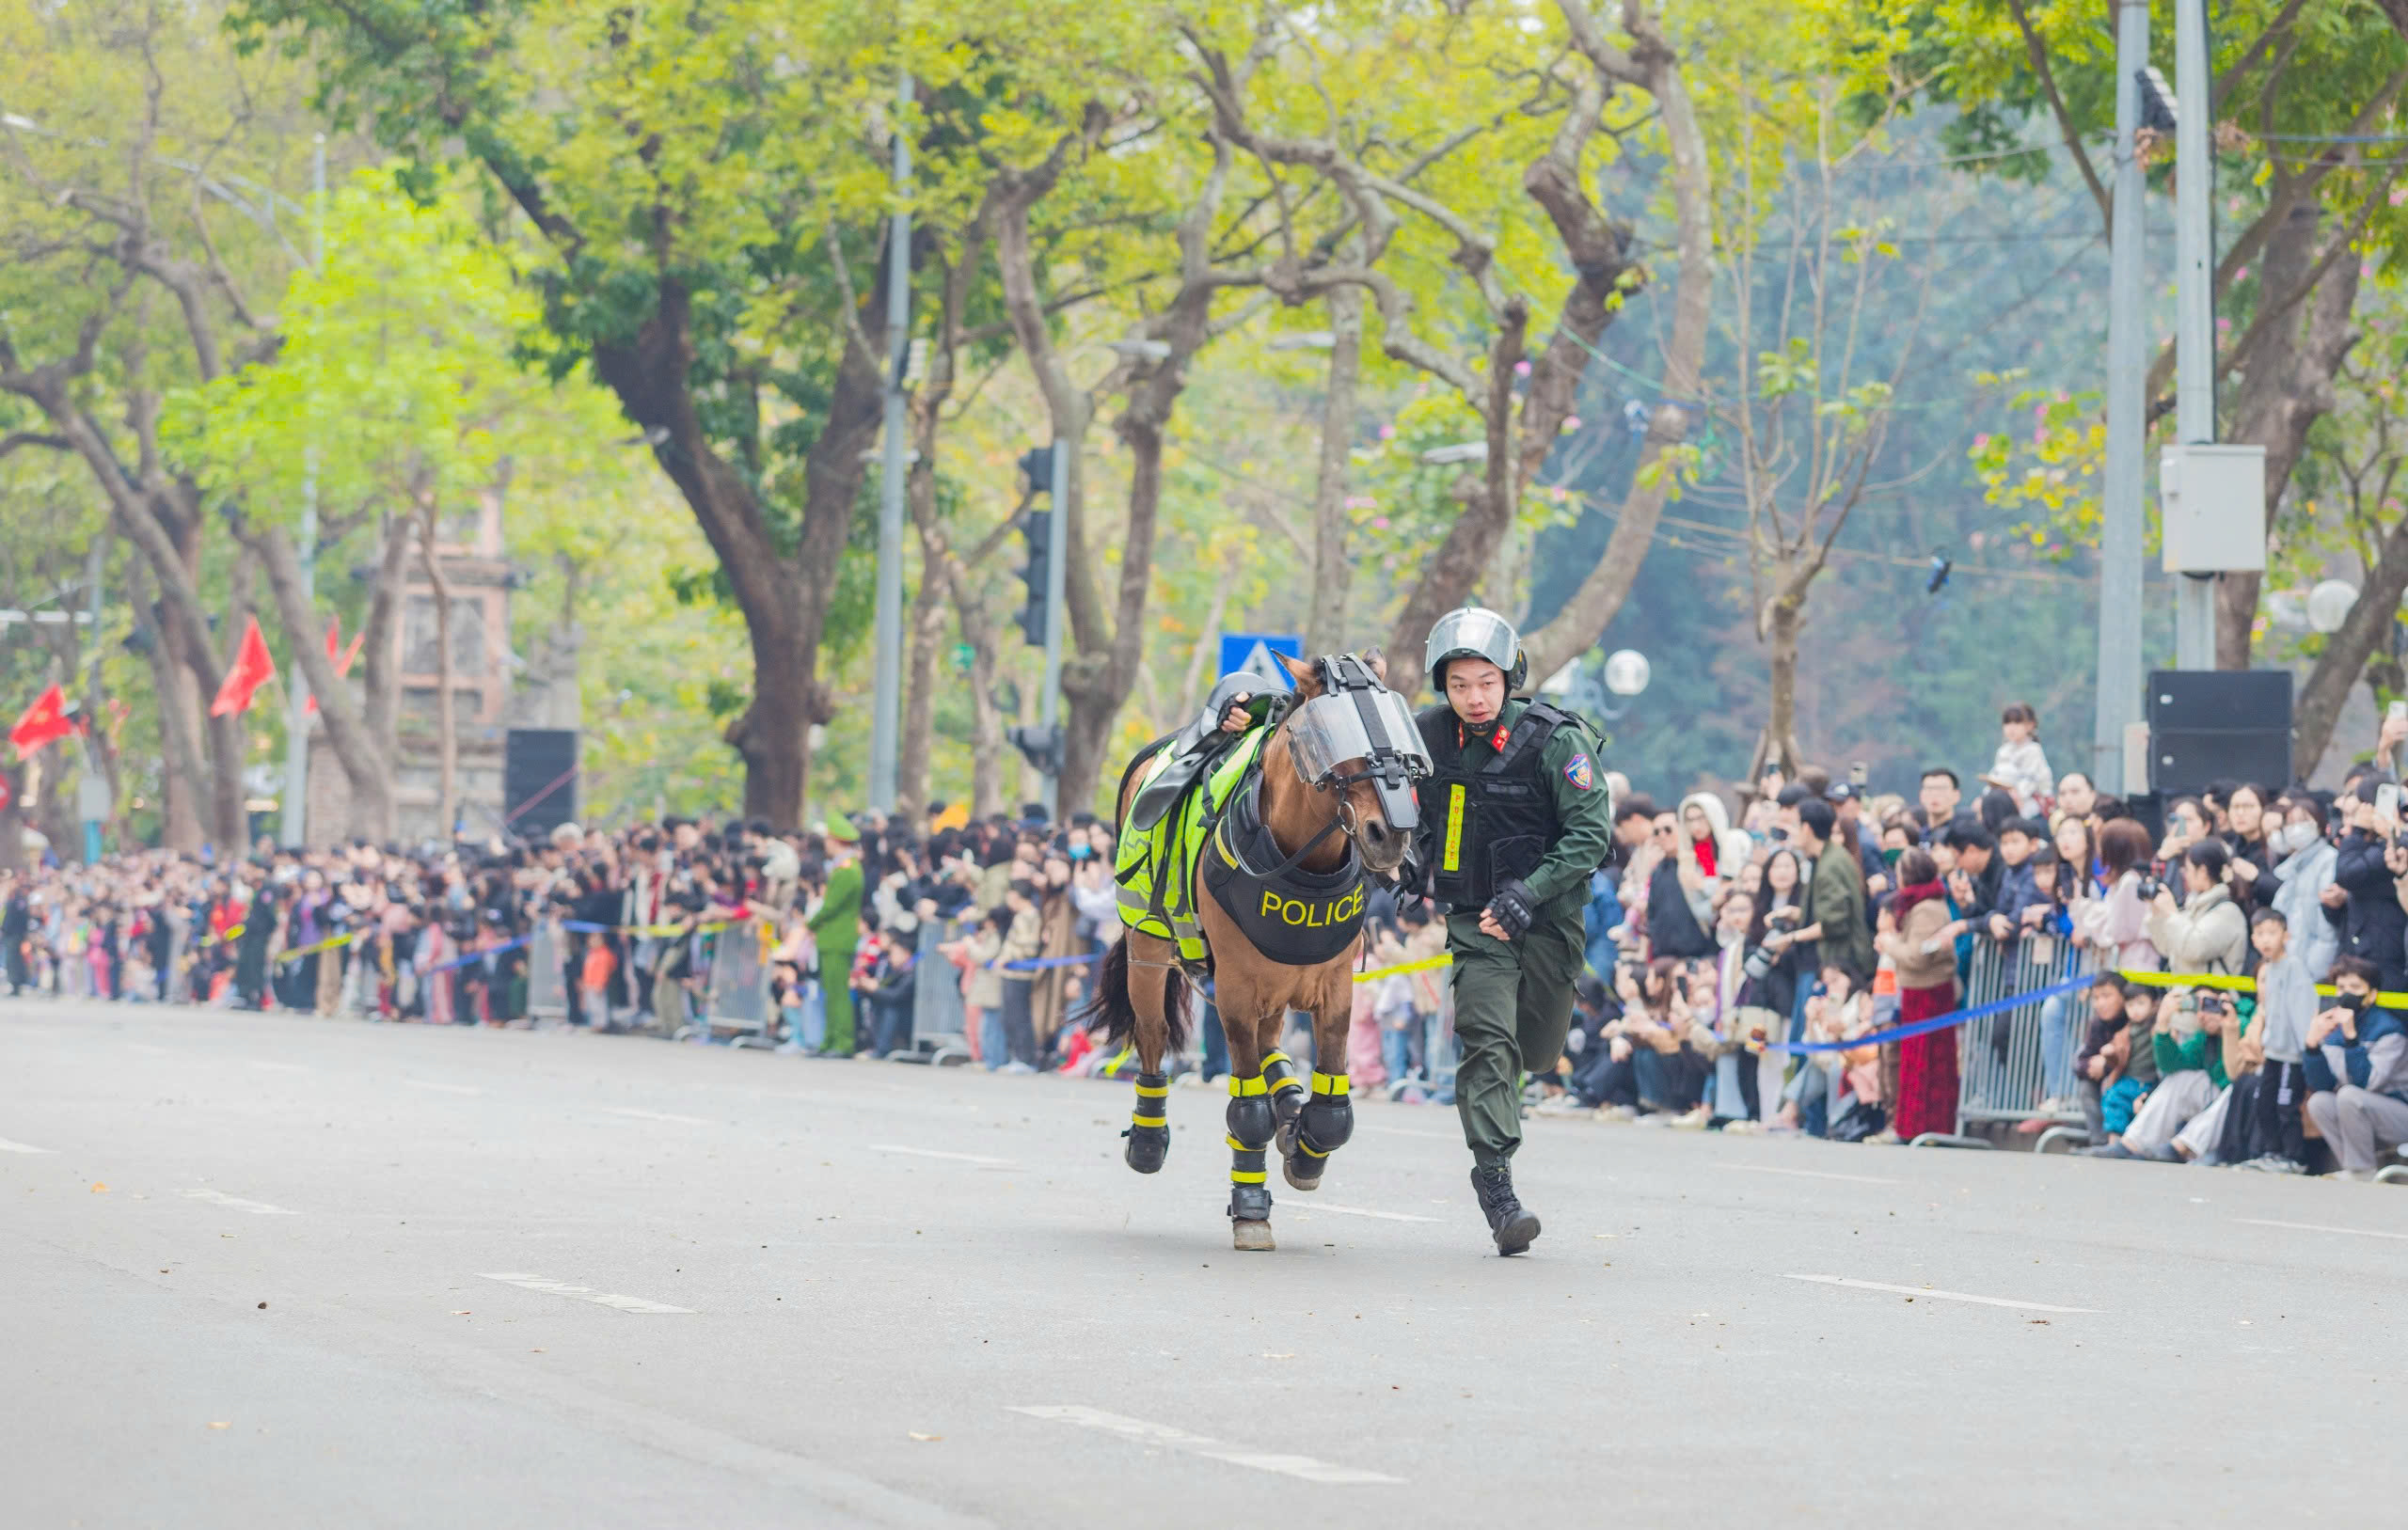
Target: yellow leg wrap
<point x="1330" y="1083"/>
<point x="1239" y="1088"/>
<point x="1151" y="1120"/>
<point x="1153" y="1091"/>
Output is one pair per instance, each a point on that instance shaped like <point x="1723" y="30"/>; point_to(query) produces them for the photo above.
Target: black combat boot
<point x="1512" y="1226"/>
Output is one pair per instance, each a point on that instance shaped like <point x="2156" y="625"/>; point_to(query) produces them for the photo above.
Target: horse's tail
<point x="1116" y="1012"/>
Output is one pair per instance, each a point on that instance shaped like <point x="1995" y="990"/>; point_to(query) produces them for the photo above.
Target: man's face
<point x="2270" y="939"/>
<point x="1633" y="832"/>
<point x="1975" y="859"/>
<point x="2107" y="1004"/>
<point x="1939" y="797"/>
<point x="2013" y="846"/>
<point x="1476" y="689"/>
<point x="1786" y="819"/>
<point x="1668" y="833"/>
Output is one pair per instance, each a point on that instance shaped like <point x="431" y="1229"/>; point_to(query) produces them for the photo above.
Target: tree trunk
<point x="2288" y="387"/>
<point x="919" y="705"/>
<point x="784" y="603"/>
<point x="380" y="657"/>
<point x="2362" y="635"/>
<point x="182" y="776"/>
<point x="447" y="737"/>
<point x="1333" y="570"/>
<point x="367" y="768"/>
<point x="1584" y="618"/>
<point x="1780" y="742"/>
<point x="986" y="732"/>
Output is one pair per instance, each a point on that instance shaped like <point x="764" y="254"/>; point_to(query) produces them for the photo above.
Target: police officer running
<point x="1515" y="817"/>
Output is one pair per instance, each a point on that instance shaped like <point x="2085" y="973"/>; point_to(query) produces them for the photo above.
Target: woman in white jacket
<point x="2305" y="871"/>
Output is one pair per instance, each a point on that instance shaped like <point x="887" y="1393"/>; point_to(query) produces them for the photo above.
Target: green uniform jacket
<point x="837" y="925"/>
<point x="1584" y="814"/>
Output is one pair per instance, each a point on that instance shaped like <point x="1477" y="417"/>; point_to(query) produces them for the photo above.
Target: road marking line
<point x="7" y="1147"/>
<point x="2319" y="1227"/>
<point x="657" y="1115"/>
<point x="1138" y="1429"/>
<point x="1358" y="1212"/>
<point x="1936" y="1296"/>
<point x="934" y="1153"/>
<point x="235" y="1203"/>
<point x="586" y="1293"/>
<point x="1806" y="1174"/>
<point x="443" y="1088"/>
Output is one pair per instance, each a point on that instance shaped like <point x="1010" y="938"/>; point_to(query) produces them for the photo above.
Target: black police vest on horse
<point x="1486" y="826"/>
<point x="1295" y="917"/>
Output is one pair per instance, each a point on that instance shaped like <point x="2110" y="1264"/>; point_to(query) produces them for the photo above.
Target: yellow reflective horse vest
<point x="1156" y="869"/>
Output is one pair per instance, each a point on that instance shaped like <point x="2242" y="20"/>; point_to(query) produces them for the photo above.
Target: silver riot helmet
<point x="1476" y="632"/>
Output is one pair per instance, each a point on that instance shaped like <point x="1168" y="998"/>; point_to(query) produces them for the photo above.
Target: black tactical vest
<point x="1295" y="917"/>
<point x="1485" y="827"/>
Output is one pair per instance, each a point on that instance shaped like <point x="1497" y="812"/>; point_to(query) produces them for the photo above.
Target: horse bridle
<point x="1389" y="762"/>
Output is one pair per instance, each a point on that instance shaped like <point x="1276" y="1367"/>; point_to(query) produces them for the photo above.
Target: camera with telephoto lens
<point x="2150" y="887"/>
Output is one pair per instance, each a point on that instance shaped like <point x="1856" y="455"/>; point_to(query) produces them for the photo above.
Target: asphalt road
<point x="269" y="1271"/>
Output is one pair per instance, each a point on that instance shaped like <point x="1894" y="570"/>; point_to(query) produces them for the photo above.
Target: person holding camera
<point x="2363" y="903"/>
<point x="2358" y="1064"/>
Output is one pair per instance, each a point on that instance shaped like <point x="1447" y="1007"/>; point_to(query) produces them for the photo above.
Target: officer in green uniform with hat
<point x="1515" y="817"/>
<point x="836" y="930"/>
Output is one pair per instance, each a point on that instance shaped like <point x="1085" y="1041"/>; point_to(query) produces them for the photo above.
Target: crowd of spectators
<point x="1724" y="931"/>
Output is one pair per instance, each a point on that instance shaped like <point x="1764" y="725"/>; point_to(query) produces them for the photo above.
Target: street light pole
<point x="886" y="701"/>
<point x="296" y="691"/>
<point x="2123" y="506"/>
<point x="2195" y="331"/>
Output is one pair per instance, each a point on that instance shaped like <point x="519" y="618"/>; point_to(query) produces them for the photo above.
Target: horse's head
<point x="1350" y="735"/>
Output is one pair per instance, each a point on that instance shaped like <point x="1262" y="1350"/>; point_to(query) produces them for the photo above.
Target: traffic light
<point x="1037" y="463"/>
<point x="1042" y="745"/>
<point x="1037" y="529"/>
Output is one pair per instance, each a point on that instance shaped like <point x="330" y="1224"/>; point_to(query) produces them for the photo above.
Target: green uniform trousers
<point x="1512" y="1005"/>
<point x="835" y="972"/>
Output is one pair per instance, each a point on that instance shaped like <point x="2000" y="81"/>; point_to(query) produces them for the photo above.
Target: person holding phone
<point x="2358" y="1064"/>
<point x="2362" y="904"/>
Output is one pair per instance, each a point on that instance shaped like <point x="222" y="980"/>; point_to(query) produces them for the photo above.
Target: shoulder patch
<point x="1578" y="772"/>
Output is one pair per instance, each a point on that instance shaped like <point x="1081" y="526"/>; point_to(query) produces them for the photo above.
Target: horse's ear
<point x="1376" y="660"/>
<point x="1304" y="673"/>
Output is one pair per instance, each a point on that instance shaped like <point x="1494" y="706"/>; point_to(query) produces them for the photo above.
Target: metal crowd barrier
<point x="546" y="989"/>
<point x="735" y="994"/>
<point x="938" y="1014"/>
<point x="1999" y="1059"/>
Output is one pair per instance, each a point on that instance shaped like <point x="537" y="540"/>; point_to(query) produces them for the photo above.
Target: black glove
<point x="1513" y="908"/>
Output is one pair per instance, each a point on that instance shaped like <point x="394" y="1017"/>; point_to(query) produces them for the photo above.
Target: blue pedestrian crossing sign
<point x="1252" y="651"/>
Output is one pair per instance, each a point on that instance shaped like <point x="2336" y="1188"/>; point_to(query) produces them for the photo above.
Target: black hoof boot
<point x="1147" y="1147"/>
<point x="1148" y="1132"/>
<point x="1512" y="1225"/>
<point x="1250" y="1219"/>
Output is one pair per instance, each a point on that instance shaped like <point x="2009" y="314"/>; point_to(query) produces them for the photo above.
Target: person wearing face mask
<point x="2304" y="860"/>
<point x="2247" y="834"/>
<point x="2362" y="905"/>
<point x="2357" y="1070"/>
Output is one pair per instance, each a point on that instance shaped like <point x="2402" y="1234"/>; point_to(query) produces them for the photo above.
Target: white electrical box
<point x="2211" y="504"/>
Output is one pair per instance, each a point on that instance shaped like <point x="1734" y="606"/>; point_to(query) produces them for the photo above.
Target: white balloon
<point x="1626" y="672"/>
<point x="2329" y="603"/>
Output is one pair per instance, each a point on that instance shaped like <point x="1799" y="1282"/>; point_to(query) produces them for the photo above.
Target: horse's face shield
<point x="1369" y="730"/>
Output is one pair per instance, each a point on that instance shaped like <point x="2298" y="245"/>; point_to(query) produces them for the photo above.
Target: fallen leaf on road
<point x="1289" y="1354"/>
<point x="926" y="1439"/>
<point x="99" y="1189"/>
<point x="462" y="1312"/>
<point x="226" y="1425"/>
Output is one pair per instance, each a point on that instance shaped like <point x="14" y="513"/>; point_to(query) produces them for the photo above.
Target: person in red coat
<point x="1919" y="939"/>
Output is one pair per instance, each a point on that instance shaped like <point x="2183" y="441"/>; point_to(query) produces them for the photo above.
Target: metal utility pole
<point x="886" y="701"/>
<point x="297" y="690"/>
<point x="2124" y="508"/>
<point x="1057" y="547"/>
<point x="92" y="802"/>
<point x="2195" y="329"/>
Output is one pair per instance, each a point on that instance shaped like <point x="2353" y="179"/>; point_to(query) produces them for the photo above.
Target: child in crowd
<point x="2262" y="1127"/>
<point x="2020" y="767"/>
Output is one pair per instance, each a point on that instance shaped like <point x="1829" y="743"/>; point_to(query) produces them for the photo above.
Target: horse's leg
<point x="1150" y="993"/>
<point x="1326" y="1118"/>
<point x="1251" y="1122"/>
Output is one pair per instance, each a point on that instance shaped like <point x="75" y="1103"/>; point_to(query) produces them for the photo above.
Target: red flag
<point x="338" y="656"/>
<point x="44" y="720"/>
<point x="252" y="668"/>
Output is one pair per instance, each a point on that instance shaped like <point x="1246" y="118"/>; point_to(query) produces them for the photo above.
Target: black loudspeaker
<point x="2209" y="725"/>
<point x="539" y="779"/>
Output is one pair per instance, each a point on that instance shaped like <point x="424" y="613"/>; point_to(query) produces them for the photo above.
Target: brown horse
<point x="1142" y="995"/>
